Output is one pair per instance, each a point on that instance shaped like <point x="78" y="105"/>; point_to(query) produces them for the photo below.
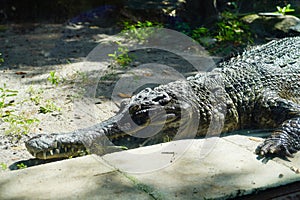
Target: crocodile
<point x="257" y="89"/>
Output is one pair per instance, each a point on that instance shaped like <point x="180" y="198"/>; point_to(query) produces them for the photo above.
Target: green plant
<point x="53" y="78"/>
<point x="183" y="27"/>
<point x="19" y="125"/>
<point x="285" y="9"/>
<point x="133" y="26"/>
<point x="16" y="124"/>
<point x="135" y="31"/>
<point x="203" y="36"/>
<point x="166" y="139"/>
<point x="231" y="29"/>
<point x="3" y="166"/>
<point x="200" y="32"/>
<point x="21" y="166"/>
<point x="5" y="100"/>
<point x="49" y="107"/>
<point x="35" y="95"/>
<point x="121" y="56"/>
<point x="1" y="59"/>
<point x="139" y="31"/>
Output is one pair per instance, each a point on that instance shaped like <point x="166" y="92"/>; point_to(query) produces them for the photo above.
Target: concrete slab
<point x="252" y="142"/>
<point x="79" y="178"/>
<point x="213" y="168"/>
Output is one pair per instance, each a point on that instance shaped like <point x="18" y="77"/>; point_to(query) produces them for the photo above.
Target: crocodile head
<point x="144" y="115"/>
<point x="151" y="109"/>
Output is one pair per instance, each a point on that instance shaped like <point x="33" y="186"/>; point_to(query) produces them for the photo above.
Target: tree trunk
<point x="200" y="11"/>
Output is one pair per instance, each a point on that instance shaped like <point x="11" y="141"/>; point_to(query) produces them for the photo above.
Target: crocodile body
<point x="257" y="89"/>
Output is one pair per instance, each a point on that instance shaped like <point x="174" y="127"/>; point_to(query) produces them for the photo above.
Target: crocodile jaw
<point x="55" y="146"/>
<point x="46" y="146"/>
<point x="98" y="138"/>
<point x="62" y="152"/>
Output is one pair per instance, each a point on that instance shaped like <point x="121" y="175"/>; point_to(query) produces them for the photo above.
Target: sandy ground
<point x="31" y="52"/>
<point x="81" y="97"/>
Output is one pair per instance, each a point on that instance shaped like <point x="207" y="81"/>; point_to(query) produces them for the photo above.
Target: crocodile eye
<point x="156" y="99"/>
<point x="162" y="99"/>
<point x="134" y="108"/>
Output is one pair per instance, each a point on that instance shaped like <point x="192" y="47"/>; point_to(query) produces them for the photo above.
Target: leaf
<point x="11" y="95"/>
<point x="44" y="110"/>
<point x="12" y="91"/>
<point x="278" y="8"/>
<point x="31" y="121"/>
<point x="111" y="55"/>
<point x="283" y="10"/>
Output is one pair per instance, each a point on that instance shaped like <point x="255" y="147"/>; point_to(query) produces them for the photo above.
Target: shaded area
<point x="60" y="11"/>
<point x="79" y="181"/>
<point x="289" y="191"/>
<point x="155" y="59"/>
<point x="219" y="175"/>
<point x="40" y="44"/>
<point x="87" y="22"/>
<point x="50" y="11"/>
<point x="30" y="163"/>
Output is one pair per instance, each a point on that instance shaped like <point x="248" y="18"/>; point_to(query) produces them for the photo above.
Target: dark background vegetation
<point x="194" y="11"/>
<point x="215" y="24"/>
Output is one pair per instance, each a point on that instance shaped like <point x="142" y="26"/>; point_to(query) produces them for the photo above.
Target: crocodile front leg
<point x="285" y="116"/>
<point x="284" y="141"/>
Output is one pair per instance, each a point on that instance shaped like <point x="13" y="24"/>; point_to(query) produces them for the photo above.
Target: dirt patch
<point x="46" y="65"/>
<point x="31" y="52"/>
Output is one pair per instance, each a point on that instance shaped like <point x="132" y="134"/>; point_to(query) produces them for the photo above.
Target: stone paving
<point x="213" y="168"/>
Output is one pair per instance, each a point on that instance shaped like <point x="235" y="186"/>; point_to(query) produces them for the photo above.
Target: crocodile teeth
<point x="57" y="151"/>
<point x="51" y="152"/>
<point x="34" y="154"/>
<point x="44" y="155"/>
<point x="66" y="149"/>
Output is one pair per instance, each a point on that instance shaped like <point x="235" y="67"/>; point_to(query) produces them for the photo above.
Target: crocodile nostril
<point x="147" y="90"/>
